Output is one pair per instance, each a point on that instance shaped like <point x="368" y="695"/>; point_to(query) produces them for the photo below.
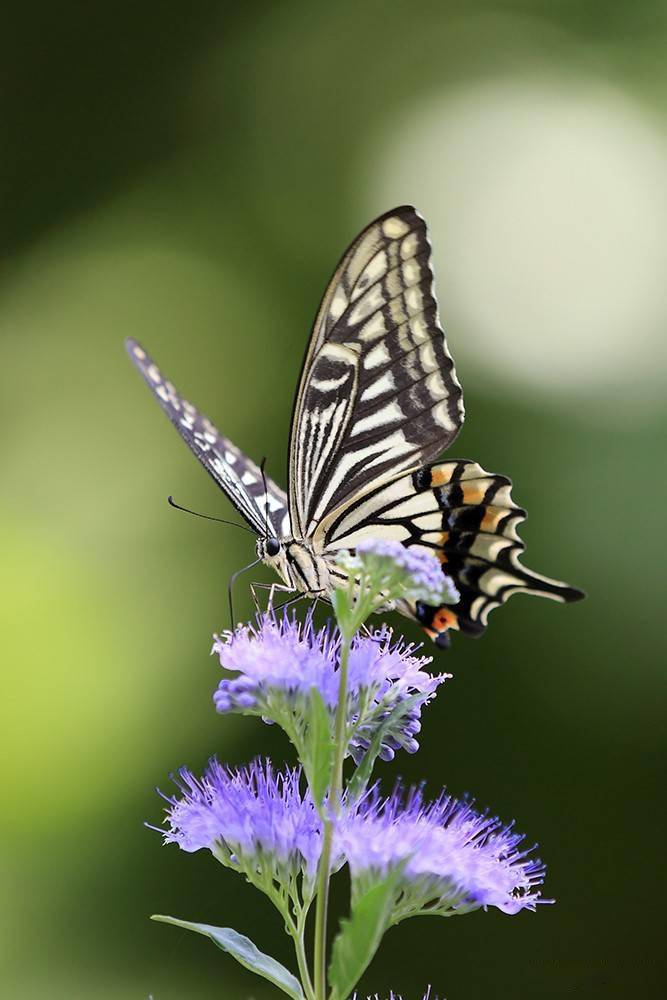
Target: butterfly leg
<point x="289" y="602"/>
<point x="272" y="588"/>
<point x="278" y="588"/>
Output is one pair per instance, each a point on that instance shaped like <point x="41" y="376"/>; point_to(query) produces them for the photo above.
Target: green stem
<point x="300" y="949"/>
<point x="340" y="733"/>
<point x="321" y="913"/>
<point x="335" y="792"/>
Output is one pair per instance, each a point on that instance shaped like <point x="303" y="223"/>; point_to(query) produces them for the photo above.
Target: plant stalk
<point x="335" y="793"/>
<point x="302" y="961"/>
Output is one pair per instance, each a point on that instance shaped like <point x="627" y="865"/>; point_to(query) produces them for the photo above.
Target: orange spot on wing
<point x="444" y="619"/>
<point x="440" y="553"/>
<point x="441" y="476"/>
<point x="491" y="519"/>
<point x="473" y="493"/>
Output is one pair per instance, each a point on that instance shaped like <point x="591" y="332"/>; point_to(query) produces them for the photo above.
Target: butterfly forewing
<point x="237" y="475"/>
<point x="378" y="390"/>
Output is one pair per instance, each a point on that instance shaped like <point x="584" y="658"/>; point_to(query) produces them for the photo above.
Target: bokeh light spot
<point x="548" y="211"/>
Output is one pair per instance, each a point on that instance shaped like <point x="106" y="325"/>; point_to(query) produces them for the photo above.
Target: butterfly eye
<point x="272" y="546"/>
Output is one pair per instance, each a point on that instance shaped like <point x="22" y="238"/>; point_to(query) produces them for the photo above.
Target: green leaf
<point x="360" y="936"/>
<point x="320" y="746"/>
<point x="245" y="952"/>
<point x="359" y="780"/>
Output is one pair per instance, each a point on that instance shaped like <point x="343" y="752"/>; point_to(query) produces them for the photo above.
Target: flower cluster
<point x="452" y="858"/>
<point x="251" y="819"/>
<point x="388" y="688"/>
<point x="279" y="661"/>
<point x="394" y="996"/>
<point x="342" y="691"/>
<point x="397" y="572"/>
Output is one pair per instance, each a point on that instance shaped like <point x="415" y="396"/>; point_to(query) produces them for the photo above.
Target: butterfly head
<point x="274" y="553"/>
<point x="269" y="549"/>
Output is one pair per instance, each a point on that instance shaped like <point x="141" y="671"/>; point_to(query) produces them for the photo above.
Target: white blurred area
<point x="548" y="214"/>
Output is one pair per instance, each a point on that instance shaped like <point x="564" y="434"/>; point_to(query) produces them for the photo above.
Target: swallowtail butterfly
<point x="378" y="401"/>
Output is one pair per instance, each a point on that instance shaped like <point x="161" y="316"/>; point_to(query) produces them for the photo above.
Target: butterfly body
<point x="378" y="401"/>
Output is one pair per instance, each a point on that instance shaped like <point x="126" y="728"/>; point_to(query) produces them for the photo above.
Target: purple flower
<point x="250" y="818"/>
<point x="399" y="688"/>
<point x="413" y="572"/>
<point x="454" y="859"/>
<point x="394" y="996"/>
<point x="279" y="661"/>
<point x="276" y="654"/>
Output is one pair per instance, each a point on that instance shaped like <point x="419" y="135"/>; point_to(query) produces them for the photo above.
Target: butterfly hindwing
<point x="238" y="476"/>
<point x="378" y="390"/>
<point x="467" y="518"/>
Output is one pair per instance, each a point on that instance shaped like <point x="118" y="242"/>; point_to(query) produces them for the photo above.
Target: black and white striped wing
<point x="378" y="391"/>
<point x="236" y="475"/>
<point x="467" y="517"/>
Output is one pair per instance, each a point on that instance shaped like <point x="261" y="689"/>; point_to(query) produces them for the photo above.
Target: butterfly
<point x="378" y="401"/>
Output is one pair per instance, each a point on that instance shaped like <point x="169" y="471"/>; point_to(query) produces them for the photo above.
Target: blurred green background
<point x="188" y="175"/>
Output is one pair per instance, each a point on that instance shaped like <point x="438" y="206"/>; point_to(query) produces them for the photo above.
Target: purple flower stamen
<point x="395" y="996"/>
<point x="416" y="569"/>
<point x="454" y="858"/>
<point x="246" y="814"/>
<point x="278" y="662"/>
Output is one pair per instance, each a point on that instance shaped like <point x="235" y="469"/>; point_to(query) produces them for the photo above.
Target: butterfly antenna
<point x="230" y="586"/>
<point x="207" y="517"/>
